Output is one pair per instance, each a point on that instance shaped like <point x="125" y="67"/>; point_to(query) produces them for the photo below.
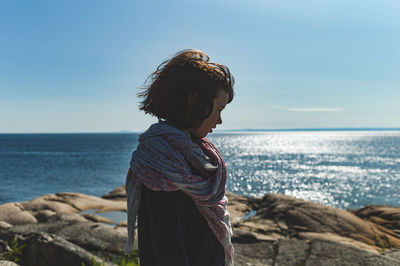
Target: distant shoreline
<point x="310" y="129"/>
<point x="225" y="130"/>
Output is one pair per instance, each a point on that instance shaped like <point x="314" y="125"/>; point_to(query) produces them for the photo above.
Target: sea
<point x="344" y="169"/>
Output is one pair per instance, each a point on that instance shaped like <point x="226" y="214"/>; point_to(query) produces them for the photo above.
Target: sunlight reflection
<point x="333" y="168"/>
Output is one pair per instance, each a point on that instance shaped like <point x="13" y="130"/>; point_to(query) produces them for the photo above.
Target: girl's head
<point x="184" y="89"/>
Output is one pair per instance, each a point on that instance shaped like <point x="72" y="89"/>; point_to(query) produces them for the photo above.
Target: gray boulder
<point x="46" y="249"/>
<point x="287" y="252"/>
<point x="117" y="194"/>
<point x="94" y="237"/>
<point x="7" y="263"/>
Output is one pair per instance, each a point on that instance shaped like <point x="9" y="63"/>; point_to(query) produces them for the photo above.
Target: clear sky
<point x="76" y="66"/>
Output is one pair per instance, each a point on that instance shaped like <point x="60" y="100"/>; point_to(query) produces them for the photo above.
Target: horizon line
<point x="320" y="129"/>
<point x="230" y="130"/>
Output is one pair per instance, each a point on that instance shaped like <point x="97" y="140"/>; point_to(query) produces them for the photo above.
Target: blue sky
<point x="76" y="66"/>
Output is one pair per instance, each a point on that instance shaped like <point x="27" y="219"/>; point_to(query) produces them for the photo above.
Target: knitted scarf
<point x="167" y="159"/>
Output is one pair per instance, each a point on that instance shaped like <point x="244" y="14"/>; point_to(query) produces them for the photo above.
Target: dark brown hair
<point x="182" y="89"/>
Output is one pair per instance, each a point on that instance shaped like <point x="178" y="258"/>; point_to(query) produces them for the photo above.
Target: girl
<point x="176" y="181"/>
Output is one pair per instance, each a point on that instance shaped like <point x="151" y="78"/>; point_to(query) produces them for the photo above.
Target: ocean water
<point x="35" y="164"/>
<point x="345" y="169"/>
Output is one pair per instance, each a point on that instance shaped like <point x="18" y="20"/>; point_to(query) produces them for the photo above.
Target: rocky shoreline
<point x="77" y="229"/>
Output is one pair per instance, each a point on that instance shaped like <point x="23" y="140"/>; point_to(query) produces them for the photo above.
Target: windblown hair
<point x="182" y="89"/>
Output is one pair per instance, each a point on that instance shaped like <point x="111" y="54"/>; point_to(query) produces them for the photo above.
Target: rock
<point x="4" y="225"/>
<point x="251" y="251"/>
<point x="7" y="263"/>
<point x="304" y="216"/>
<point x="43" y="209"/>
<point x="337" y="238"/>
<point x="386" y="216"/>
<point x="97" y="219"/>
<point x="117" y="194"/>
<point x="273" y="230"/>
<point x="43" y="215"/>
<point x="291" y="252"/>
<point x="86" y="202"/>
<point x="46" y="249"/>
<point x="263" y="229"/>
<point x="14" y="213"/>
<point x="67" y="217"/>
<point x="72" y="202"/>
<point x="287" y="252"/>
<point x="48" y="202"/>
<point x="94" y="237"/>
<point x="238" y="206"/>
<point x="122" y="224"/>
<point x="334" y="253"/>
<point x="392" y="253"/>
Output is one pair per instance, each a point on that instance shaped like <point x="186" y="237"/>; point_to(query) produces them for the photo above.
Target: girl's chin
<point x="199" y="136"/>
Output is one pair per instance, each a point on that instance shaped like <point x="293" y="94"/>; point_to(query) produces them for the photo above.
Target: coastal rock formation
<point x="72" y="202"/>
<point x="386" y="216"/>
<point x="285" y="216"/>
<point x="301" y="252"/>
<point x="273" y="230"/>
<point x="14" y="213"/>
<point x="117" y="194"/>
<point x="46" y="249"/>
<point x="309" y="228"/>
<point x="60" y="206"/>
<point x="96" y="238"/>
<point x="7" y="263"/>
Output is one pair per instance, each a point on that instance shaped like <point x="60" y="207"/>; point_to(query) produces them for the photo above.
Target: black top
<point x="172" y="232"/>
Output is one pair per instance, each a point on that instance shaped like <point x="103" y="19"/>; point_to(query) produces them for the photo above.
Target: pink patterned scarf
<point x="167" y="159"/>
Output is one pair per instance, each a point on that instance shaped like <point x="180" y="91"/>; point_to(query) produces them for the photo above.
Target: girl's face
<point x="219" y="103"/>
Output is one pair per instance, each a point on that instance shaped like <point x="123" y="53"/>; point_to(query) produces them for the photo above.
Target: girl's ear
<point x="190" y="101"/>
<point x="189" y="106"/>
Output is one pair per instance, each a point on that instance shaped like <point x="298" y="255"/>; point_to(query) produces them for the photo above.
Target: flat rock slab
<point x="293" y="252"/>
<point x="94" y="237"/>
<point x="392" y="253"/>
<point x="14" y="213"/>
<point x="337" y="238"/>
<point x="117" y="194"/>
<point x="86" y="202"/>
<point x="331" y="253"/>
<point x="383" y="215"/>
<point x="48" y="202"/>
<point x="60" y="206"/>
<point x="7" y="263"/>
<point x="300" y="216"/>
<point x="46" y="249"/>
<point x="4" y="225"/>
<point x="259" y="253"/>
<point x="72" y="202"/>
